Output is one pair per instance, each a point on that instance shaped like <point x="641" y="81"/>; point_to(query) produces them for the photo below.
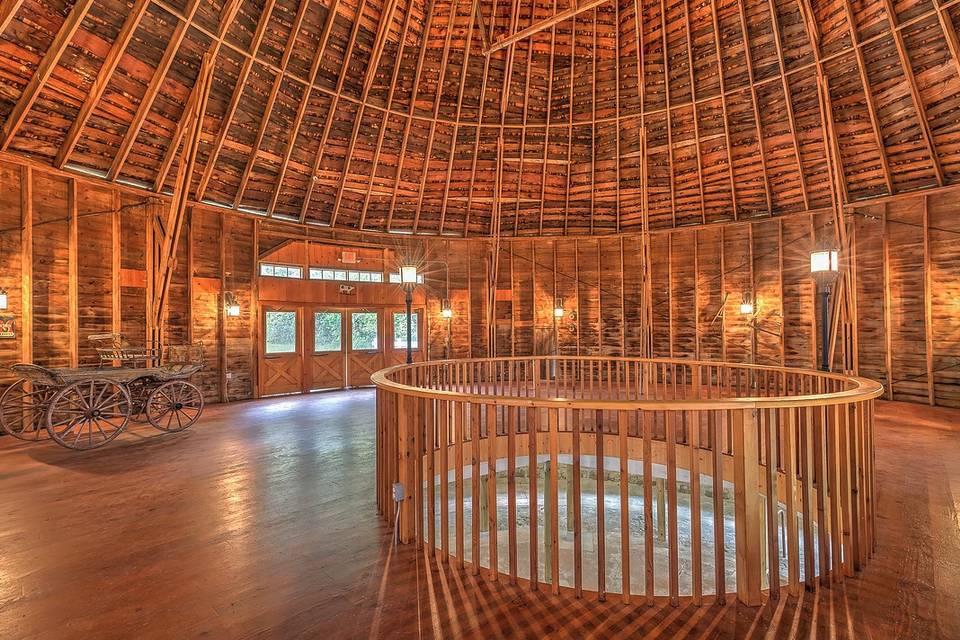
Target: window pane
<point x="354" y="276"/>
<point x="376" y="276"/>
<point x="280" y="272"/>
<point x="328" y="274"/>
<point x="281" y="332"/>
<point x="326" y="331"/>
<point x="400" y="331"/>
<point x="314" y="274"/>
<point x="266" y="269"/>
<point x="395" y="278"/>
<point x="363" y="331"/>
<point x="294" y="272"/>
<point x="339" y="275"/>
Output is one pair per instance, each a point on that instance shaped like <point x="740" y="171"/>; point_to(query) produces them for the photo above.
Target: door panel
<point x="365" y="346"/>
<point x="281" y="367"/>
<point x="328" y="357"/>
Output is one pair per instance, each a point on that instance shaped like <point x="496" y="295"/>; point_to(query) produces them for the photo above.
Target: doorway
<point x="307" y="348"/>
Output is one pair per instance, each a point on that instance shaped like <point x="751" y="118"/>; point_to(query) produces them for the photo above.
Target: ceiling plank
<point x="302" y="109"/>
<point x="428" y="152"/>
<point x="756" y="109"/>
<point x="271" y="100"/>
<point x="226" y="19"/>
<point x="100" y="82"/>
<point x="331" y="115"/>
<point x="723" y="104"/>
<point x="8" y="9"/>
<point x="386" y="114"/>
<point x="386" y="19"/>
<point x="868" y="92"/>
<point x="156" y="81"/>
<point x="546" y="134"/>
<point x="907" y="67"/>
<point x="214" y="154"/>
<point x="696" y="116"/>
<point x="788" y="99"/>
<point x="44" y="70"/>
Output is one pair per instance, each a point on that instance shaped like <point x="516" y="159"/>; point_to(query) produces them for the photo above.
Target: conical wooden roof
<point x="427" y="117"/>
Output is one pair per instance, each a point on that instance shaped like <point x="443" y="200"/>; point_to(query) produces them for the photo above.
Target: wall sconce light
<point x="232" y="305"/>
<point x="3" y="299"/>
<point x="746" y="307"/>
<point x="445" y="309"/>
<point x="558" y="308"/>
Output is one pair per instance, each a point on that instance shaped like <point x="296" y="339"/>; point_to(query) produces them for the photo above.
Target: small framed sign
<point x="7" y="327"/>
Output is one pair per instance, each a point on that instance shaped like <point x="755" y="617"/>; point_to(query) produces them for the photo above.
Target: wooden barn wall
<point x="72" y="260"/>
<point x="73" y="250"/>
<point x="906" y="265"/>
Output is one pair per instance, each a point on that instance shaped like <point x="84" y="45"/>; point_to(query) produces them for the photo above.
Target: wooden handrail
<point x="860" y="388"/>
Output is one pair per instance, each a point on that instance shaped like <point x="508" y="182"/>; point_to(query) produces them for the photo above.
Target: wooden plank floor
<point x="261" y="523"/>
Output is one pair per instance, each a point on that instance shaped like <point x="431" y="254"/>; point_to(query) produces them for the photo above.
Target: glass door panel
<point x="281" y="367"/>
<point x="366" y="351"/>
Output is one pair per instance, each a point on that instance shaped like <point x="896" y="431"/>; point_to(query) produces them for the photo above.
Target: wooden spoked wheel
<point x="88" y="414"/>
<point x="174" y="405"/>
<point x="23" y="409"/>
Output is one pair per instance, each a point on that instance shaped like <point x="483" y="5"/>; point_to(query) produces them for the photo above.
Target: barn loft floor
<point x="261" y="523"/>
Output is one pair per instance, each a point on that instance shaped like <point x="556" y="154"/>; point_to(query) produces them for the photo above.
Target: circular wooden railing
<point x="680" y="441"/>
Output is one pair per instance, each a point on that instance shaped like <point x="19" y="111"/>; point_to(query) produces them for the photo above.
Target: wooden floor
<point x="260" y="523"/>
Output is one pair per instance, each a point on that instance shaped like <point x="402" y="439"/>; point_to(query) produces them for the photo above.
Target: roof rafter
<point x="576" y="9"/>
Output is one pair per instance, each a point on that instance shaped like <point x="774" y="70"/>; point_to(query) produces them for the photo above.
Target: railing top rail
<point x="858" y="389"/>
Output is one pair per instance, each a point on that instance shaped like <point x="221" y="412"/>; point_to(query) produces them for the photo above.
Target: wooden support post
<point x="26" y="263"/>
<point x="747" y="503"/>
<point x="73" y="321"/>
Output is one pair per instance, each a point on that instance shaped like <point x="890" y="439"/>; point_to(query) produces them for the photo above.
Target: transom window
<point x="281" y="270"/>
<point x="344" y="275"/>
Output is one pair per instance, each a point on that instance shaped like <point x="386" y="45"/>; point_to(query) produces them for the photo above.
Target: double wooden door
<point x="309" y="348"/>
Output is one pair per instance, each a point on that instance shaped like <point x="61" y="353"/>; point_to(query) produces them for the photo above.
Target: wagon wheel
<point x="174" y="405"/>
<point x="88" y="414"/>
<point x="23" y="407"/>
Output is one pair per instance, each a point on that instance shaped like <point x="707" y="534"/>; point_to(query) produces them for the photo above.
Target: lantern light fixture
<point x="746" y="306"/>
<point x="3" y="300"/>
<point x="824" y="262"/>
<point x="445" y="310"/>
<point x="408" y="275"/>
<point x="558" y="308"/>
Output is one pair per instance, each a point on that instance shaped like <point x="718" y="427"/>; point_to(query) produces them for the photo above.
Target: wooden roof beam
<point x="573" y="61"/>
<point x="868" y="92"/>
<point x="226" y="19"/>
<point x="386" y="114"/>
<point x="914" y="91"/>
<point x="723" y="106"/>
<point x="302" y="109"/>
<point x="410" y="110"/>
<point x="100" y="82"/>
<point x="331" y="115"/>
<point x="456" y="127"/>
<point x="44" y="70"/>
<point x="523" y="134"/>
<point x="234" y="100"/>
<point x="8" y="9"/>
<point x="386" y="19"/>
<point x="428" y="150"/>
<point x="693" y="101"/>
<point x="271" y="100"/>
<point x="576" y="9"/>
<point x="756" y="108"/>
<point x="546" y="133"/>
<point x="788" y="99"/>
<point x="156" y="81"/>
<point x="666" y="85"/>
